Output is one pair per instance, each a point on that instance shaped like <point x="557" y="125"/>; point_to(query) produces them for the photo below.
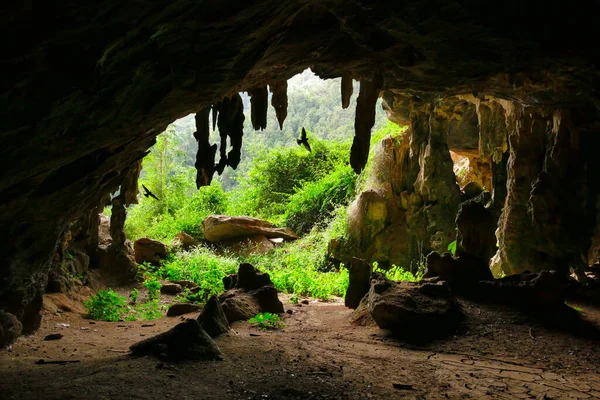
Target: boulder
<point x="10" y="329"/>
<point x="186" y="284"/>
<point x="251" y="278"/>
<point x="230" y="281"/>
<point x="170" y="288"/>
<point x="182" y="308"/>
<point x="183" y="241"/>
<point x="414" y="311"/>
<point x="462" y="273"/>
<point x="240" y="304"/>
<point x="219" y="228"/>
<point x="361" y="315"/>
<point x="149" y="250"/>
<point x="359" y="282"/>
<point x="212" y="318"/>
<point x="186" y="341"/>
<point x="542" y="291"/>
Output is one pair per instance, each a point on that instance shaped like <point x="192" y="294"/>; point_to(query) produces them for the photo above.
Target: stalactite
<point x="231" y="123"/>
<point x="259" y="103"/>
<point x="347" y="89"/>
<point x="215" y="112"/>
<point x="205" y="156"/>
<point x="279" y="101"/>
<point x="364" y="121"/>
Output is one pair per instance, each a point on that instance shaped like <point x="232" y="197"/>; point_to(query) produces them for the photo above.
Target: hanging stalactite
<point x="347" y="89"/>
<point x="231" y="123"/>
<point x="364" y="121"/>
<point x="259" y="103"/>
<point x="205" y="156"/>
<point x="279" y="101"/>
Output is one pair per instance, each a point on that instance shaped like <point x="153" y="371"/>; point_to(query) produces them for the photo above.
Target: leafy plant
<point x="186" y="296"/>
<point x="294" y="299"/>
<point x="134" y="296"/>
<point x="266" y="321"/>
<point x="396" y="273"/>
<point x="153" y="286"/>
<point x="452" y="247"/>
<point x="106" y="305"/>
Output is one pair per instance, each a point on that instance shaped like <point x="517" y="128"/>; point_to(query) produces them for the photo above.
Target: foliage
<point x="153" y="286"/>
<point x="315" y="201"/>
<point x="266" y="321"/>
<point x="396" y="273"/>
<point x="106" y="305"/>
<point x="452" y="247"/>
<point x="186" y="296"/>
<point x="134" y="296"/>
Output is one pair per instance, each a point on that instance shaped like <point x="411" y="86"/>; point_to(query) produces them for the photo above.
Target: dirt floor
<point x="497" y="353"/>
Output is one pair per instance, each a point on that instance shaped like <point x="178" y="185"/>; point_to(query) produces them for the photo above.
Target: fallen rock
<point x="251" y="278"/>
<point x="186" y="341"/>
<point x="361" y="315"/>
<point x="54" y="336"/>
<point x="187" y="284"/>
<point x="462" y="273"/>
<point x="218" y="228"/>
<point x="212" y="318"/>
<point x="149" y="250"/>
<point x="10" y="329"/>
<point x="170" y="288"/>
<point x="257" y="244"/>
<point x="183" y="241"/>
<point x="414" y="311"/>
<point x="182" y="308"/>
<point x="360" y="282"/>
<point x="241" y="304"/>
<point x="230" y="281"/>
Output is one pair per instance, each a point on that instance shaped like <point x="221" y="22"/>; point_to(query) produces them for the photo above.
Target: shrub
<point x="266" y="321"/>
<point x="106" y="305"/>
<point x="314" y="203"/>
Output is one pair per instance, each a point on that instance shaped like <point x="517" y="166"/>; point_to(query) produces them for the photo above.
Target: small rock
<point x="289" y="311"/>
<point x="147" y="325"/>
<point x="170" y="288"/>
<point x="54" y="336"/>
<point x="182" y="308"/>
<point x="402" y="386"/>
<point x="148" y="250"/>
<point x="187" y="284"/>
<point x="305" y="302"/>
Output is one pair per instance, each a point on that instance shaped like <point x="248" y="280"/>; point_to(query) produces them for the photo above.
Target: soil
<point x="497" y="353"/>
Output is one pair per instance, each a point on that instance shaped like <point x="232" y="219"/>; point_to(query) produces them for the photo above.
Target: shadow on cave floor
<point x="496" y="353"/>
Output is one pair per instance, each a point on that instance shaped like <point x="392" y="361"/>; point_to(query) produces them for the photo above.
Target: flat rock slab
<point x="219" y="228"/>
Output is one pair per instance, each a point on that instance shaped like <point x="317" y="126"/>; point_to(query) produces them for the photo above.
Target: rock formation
<point x="89" y="94"/>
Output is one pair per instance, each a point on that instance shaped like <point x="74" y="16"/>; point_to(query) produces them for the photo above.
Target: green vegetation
<point x="266" y="321"/>
<point x="108" y="305"/>
<point x="396" y="273"/>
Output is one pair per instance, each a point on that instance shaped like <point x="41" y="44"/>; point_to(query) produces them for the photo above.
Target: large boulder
<point x="250" y="292"/>
<point x="186" y="341"/>
<point x="182" y="308"/>
<point x="10" y="329"/>
<point x="149" y="250"/>
<point x="220" y="228"/>
<point x="212" y="318"/>
<point x="414" y="311"/>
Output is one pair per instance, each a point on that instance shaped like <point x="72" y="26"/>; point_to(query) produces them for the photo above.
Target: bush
<point x="266" y="321"/>
<point x="106" y="305"/>
<point x="313" y="204"/>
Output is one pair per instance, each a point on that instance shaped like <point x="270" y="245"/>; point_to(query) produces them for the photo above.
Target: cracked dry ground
<point x="497" y="353"/>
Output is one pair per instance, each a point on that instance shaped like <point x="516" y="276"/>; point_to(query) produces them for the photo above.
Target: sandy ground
<point x="497" y="353"/>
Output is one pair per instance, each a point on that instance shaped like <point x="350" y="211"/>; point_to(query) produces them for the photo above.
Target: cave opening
<point x="467" y="254"/>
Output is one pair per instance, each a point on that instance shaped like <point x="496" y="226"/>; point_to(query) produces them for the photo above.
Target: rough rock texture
<point x="476" y="229"/>
<point x="256" y="244"/>
<point x="462" y="273"/>
<point x="205" y="156"/>
<point x="359" y="282"/>
<point x="186" y="341"/>
<point x="183" y="241"/>
<point x="149" y="250"/>
<point x="218" y="228"/>
<point x="92" y="85"/>
<point x="212" y="318"/>
<point x="248" y="293"/>
<point x="10" y="329"/>
<point x="418" y="311"/>
<point x="279" y="101"/>
<point x="182" y="308"/>
<point x="170" y="288"/>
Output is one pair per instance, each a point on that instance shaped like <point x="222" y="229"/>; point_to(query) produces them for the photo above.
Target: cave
<point x="510" y="90"/>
